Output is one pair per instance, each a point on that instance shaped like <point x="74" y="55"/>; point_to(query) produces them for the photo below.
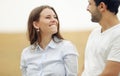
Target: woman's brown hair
<point x="34" y="16"/>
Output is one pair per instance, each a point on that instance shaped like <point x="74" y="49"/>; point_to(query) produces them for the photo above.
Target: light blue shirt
<point x="57" y="59"/>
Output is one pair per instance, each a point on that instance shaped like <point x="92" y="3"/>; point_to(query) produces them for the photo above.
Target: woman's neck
<point x="45" y="41"/>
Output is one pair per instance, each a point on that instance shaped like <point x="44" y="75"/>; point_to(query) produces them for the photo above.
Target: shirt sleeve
<point x="114" y="54"/>
<point x="71" y="65"/>
<point x="70" y="59"/>
<point x="23" y="65"/>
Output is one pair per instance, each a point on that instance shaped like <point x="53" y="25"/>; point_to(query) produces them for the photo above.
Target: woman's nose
<point x="53" y="19"/>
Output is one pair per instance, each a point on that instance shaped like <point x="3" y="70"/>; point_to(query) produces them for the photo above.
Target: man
<point x="102" y="54"/>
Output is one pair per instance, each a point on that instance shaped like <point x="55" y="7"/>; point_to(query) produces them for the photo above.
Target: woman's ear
<point x="35" y="25"/>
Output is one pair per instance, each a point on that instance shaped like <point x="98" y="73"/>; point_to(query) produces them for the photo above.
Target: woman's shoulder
<point x="27" y="49"/>
<point x="69" y="47"/>
<point x="67" y="42"/>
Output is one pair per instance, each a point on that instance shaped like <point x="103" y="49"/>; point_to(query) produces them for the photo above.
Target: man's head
<point x="112" y="5"/>
<point x="97" y="7"/>
<point x="95" y="13"/>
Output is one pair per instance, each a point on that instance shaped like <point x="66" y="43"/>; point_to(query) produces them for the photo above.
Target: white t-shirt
<point x="100" y="48"/>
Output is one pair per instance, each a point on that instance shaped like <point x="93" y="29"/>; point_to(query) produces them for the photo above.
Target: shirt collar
<point x="52" y="44"/>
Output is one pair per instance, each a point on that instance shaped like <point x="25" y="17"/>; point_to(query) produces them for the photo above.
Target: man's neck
<point x="108" y="22"/>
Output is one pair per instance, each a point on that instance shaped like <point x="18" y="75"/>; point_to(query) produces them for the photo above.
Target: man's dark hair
<point x="112" y="5"/>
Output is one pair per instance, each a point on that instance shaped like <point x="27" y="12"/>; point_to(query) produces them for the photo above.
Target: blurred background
<point x="75" y="25"/>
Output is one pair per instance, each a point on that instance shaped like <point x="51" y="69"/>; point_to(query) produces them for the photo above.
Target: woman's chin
<point x="54" y="31"/>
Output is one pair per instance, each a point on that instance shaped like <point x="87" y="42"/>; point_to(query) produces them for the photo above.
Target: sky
<point x="72" y="14"/>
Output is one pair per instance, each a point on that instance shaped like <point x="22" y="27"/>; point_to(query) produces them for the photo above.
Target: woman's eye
<point x="51" y="17"/>
<point x="47" y="17"/>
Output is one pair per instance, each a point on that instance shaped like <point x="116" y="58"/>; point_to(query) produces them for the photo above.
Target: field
<point x="11" y="46"/>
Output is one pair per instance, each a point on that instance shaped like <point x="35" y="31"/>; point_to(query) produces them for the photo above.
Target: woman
<point x="48" y="54"/>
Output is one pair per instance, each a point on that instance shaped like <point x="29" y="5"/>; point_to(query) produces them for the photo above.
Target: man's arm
<point x="112" y="69"/>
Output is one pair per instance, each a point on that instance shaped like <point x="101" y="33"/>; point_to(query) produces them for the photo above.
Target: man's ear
<point x="102" y="7"/>
<point x="35" y="25"/>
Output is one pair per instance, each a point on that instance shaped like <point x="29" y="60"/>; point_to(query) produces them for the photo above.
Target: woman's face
<point x="48" y="22"/>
